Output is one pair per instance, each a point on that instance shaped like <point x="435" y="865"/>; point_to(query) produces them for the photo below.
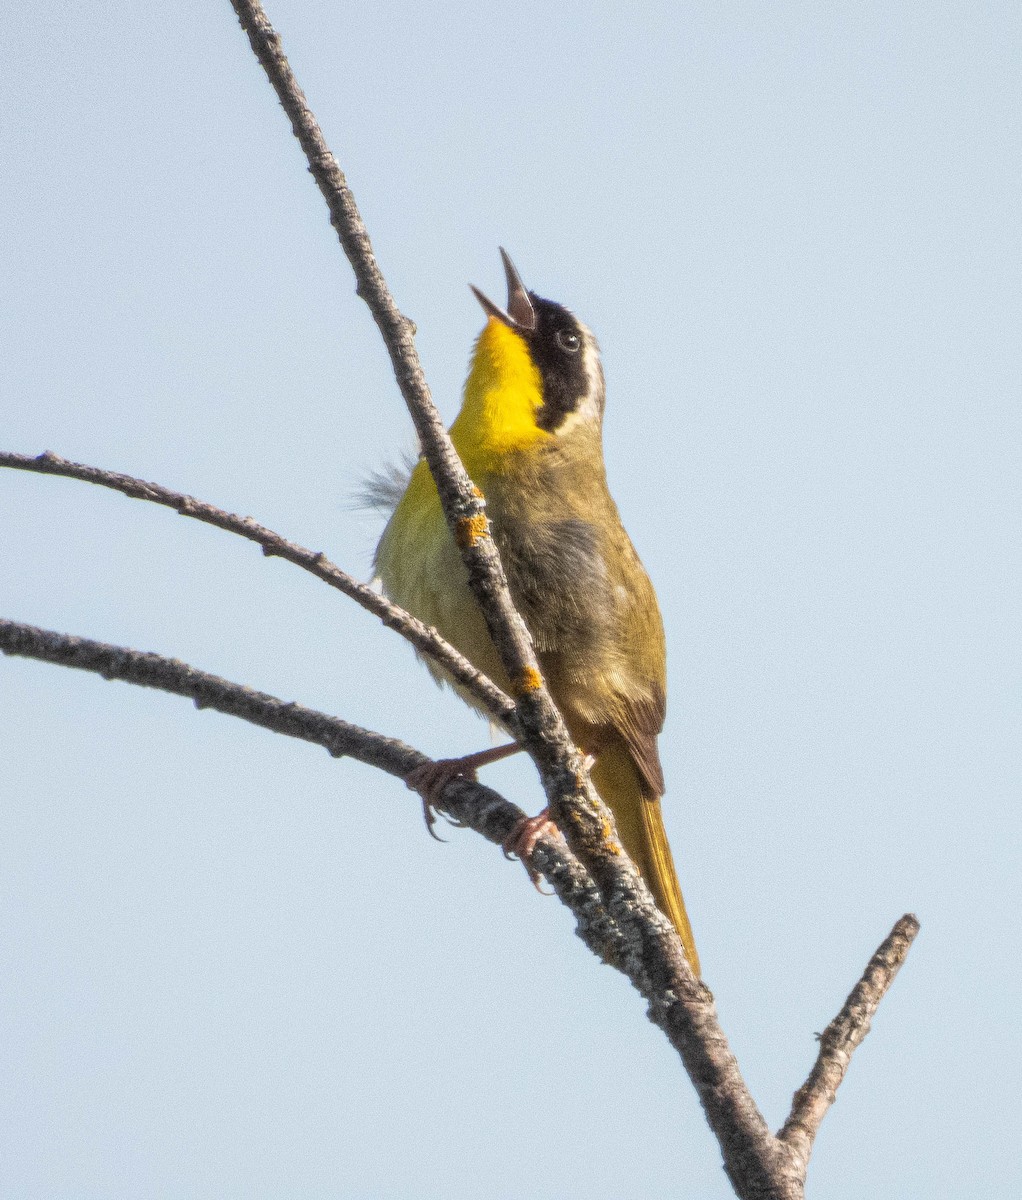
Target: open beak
<point x="520" y="315"/>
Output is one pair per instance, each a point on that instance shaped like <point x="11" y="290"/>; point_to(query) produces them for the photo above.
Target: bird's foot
<point x="429" y="781"/>
<point x="521" y="841"/>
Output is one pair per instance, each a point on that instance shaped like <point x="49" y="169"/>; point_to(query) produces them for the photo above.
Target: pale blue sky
<point x="234" y="967"/>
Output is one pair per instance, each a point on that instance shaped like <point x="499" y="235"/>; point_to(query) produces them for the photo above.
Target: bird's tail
<point x="641" y="828"/>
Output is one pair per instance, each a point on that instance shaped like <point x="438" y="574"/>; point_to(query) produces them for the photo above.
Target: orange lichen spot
<point x="477" y="493"/>
<point x="471" y="530"/>
<point x="610" y="841"/>
<point x="529" y="680"/>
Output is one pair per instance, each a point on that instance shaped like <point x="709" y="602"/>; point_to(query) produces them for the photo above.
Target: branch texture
<point x="464" y="801"/>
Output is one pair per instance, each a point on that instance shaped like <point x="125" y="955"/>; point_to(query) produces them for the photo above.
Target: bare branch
<point x="423" y="637"/>
<point x="617" y="917"/>
<point x="778" y="1169"/>
<point x="467" y="803"/>
<point x="655" y="962"/>
<point x="842" y="1037"/>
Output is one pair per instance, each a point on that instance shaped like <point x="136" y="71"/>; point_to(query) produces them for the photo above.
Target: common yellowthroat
<point x="530" y="435"/>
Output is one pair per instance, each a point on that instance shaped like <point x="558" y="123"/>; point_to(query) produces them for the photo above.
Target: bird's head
<point x="535" y="374"/>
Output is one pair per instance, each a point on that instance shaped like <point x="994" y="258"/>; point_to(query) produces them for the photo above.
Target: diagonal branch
<point x="466" y="802"/>
<point x="542" y="731"/>
<point x="678" y="1002"/>
<point x="842" y="1037"/>
<point x="423" y="637"/>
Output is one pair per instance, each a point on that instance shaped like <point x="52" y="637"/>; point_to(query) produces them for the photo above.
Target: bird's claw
<point x="429" y="780"/>
<point x="521" y="842"/>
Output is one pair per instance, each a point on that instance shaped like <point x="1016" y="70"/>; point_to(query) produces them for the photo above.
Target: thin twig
<point x="842" y="1037"/>
<point x="423" y="637"/>
<point x="465" y="801"/>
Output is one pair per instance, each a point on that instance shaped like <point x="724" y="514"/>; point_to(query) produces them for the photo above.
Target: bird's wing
<point x="640" y="719"/>
<point x="640" y="696"/>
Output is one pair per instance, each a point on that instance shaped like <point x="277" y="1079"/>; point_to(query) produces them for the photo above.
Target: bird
<point x="530" y="435"/>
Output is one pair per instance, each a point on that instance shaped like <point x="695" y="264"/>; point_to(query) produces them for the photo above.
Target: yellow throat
<point x="503" y="393"/>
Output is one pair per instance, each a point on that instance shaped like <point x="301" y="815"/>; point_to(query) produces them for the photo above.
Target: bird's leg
<point x="431" y="778"/>
<point x="521" y="841"/>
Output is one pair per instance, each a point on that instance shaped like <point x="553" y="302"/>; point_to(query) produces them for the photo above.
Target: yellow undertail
<point x="641" y="828"/>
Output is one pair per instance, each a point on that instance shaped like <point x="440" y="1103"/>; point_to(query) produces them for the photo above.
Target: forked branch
<point x="478" y="807"/>
<point x="758" y="1163"/>
<point x="617" y="917"/>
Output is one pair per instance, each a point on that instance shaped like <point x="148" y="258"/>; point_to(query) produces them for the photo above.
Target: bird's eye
<point x="568" y="340"/>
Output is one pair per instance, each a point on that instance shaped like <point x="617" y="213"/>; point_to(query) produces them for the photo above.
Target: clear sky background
<point x="231" y="966"/>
